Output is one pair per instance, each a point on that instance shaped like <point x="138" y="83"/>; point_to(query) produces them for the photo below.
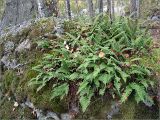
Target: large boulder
<point x="18" y="11"/>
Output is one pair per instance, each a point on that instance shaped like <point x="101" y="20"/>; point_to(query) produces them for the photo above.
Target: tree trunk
<point x="113" y="13"/>
<point x="68" y="9"/>
<point x="76" y="2"/>
<point x="100" y="6"/>
<point x="109" y="8"/>
<point x="90" y="8"/>
<point x="96" y="4"/>
<point x="134" y="10"/>
<point x="138" y="8"/>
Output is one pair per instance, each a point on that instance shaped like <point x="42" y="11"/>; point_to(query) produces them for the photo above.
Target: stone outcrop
<point x="18" y="50"/>
<point x="18" y="11"/>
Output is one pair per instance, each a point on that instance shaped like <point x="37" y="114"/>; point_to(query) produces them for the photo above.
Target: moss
<point x="152" y="60"/>
<point x="5" y="109"/>
<point x="42" y="100"/>
<point x="98" y="109"/>
<point x="22" y="88"/>
<point x="144" y="112"/>
<point x="41" y="27"/>
<point x="128" y="110"/>
<point x="10" y="80"/>
<point x="36" y="31"/>
<point x="8" y="112"/>
<point x="18" y="84"/>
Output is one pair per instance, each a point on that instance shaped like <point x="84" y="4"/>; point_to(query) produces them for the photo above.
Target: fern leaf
<point x="82" y="86"/>
<point x="85" y="101"/>
<point x="117" y="84"/>
<point x="74" y="76"/>
<point x="102" y="90"/>
<point x="140" y="92"/>
<point x="126" y="94"/>
<point x="124" y="76"/>
<point x="105" y="78"/>
<point x="60" y="91"/>
<point x="135" y="59"/>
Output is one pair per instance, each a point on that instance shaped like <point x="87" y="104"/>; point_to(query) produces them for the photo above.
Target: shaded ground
<point x="155" y="32"/>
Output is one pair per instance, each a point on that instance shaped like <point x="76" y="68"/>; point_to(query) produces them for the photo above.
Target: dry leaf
<point x="126" y="55"/>
<point x="101" y="54"/>
<point x="109" y="85"/>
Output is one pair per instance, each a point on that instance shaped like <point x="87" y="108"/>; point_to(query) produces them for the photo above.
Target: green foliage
<point x="97" y="57"/>
<point x="44" y="44"/>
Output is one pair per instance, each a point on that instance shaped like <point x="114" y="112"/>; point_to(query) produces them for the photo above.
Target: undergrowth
<point x="98" y="58"/>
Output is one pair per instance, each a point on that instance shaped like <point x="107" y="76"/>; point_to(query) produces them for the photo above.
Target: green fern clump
<point x="98" y="58"/>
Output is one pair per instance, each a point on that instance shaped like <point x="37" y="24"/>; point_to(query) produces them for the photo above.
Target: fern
<point x="85" y="101"/>
<point x="60" y="91"/>
<point x="126" y="93"/>
<point x="94" y="60"/>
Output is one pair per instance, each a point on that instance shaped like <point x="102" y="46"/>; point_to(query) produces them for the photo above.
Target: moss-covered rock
<point x="15" y="81"/>
<point x="8" y="112"/>
<point x="10" y="81"/>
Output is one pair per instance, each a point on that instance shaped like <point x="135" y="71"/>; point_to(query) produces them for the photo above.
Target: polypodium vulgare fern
<point x="97" y="59"/>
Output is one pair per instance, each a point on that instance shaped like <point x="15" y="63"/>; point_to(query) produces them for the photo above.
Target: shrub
<point x="98" y="58"/>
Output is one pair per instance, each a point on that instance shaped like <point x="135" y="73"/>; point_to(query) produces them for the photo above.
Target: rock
<point x="29" y="104"/>
<point x="8" y="47"/>
<point x="10" y="64"/>
<point x="65" y="116"/>
<point x="156" y="18"/>
<point x="114" y="110"/>
<point x="25" y="45"/>
<point x="52" y="115"/>
<point x="5" y="61"/>
<point x="19" y="11"/>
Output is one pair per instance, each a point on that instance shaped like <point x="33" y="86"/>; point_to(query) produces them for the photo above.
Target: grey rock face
<point x="156" y="18"/>
<point x="19" y="11"/>
<point x="25" y="45"/>
<point x="65" y="116"/>
<point x="8" y="46"/>
<point x="9" y="50"/>
<point x="10" y="63"/>
<point x="114" y="110"/>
